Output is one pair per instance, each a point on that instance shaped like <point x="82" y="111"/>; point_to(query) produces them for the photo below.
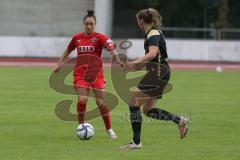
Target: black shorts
<point x="156" y="79"/>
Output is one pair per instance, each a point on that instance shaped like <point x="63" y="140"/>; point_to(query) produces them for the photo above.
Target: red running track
<point x="175" y="65"/>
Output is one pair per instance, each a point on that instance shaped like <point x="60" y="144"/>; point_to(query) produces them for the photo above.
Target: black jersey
<point x="155" y="37"/>
<point x="158" y="75"/>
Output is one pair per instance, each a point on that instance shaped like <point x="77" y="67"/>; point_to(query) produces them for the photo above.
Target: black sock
<point x="160" y="114"/>
<point x="136" y="122"/>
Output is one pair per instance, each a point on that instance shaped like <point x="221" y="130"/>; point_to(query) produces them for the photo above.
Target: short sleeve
<point x="71" y="45"/>
<point x="107" y="43"/>
<point x="153" y="38"/>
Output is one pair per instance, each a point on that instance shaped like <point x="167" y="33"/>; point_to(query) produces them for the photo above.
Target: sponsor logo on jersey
<point x="94" y="40"/>
<point x="86" y="49"/>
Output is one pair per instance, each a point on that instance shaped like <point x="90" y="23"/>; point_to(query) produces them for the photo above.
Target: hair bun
<point x="90" y="12"/>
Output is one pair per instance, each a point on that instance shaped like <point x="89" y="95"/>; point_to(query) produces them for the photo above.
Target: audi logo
<point x="85" y="49"/>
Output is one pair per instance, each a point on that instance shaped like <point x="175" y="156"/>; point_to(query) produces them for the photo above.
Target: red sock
<point x="81" y="109"/>
<point x="106" y="116"/>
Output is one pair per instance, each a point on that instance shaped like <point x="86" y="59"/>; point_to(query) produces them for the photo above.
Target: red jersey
<point x="89" y="50"/>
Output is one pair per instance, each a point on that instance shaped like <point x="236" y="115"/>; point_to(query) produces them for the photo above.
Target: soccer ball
<point x="85" y="131"/>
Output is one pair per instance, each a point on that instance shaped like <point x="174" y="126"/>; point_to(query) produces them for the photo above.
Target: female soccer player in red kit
<point x="89" y="44"/>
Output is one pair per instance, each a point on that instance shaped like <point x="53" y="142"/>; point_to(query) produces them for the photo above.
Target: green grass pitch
<point x="29" y="129"/>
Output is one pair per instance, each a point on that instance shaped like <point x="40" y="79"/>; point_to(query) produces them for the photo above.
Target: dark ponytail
<point x="90" y="13"/>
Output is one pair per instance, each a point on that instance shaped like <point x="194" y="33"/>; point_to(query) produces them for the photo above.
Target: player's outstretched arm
<point x="64" y="56"/>
<point x="116" y="58"/>
<point x="153" y="50"/>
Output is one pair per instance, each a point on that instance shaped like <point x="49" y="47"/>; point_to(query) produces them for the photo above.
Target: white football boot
<point x="183" y="127"/>
<point x="131" y="145"/>
<point x="111" y="134"/>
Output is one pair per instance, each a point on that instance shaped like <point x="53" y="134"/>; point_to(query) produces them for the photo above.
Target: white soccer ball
<point x="219" y="69"/>
<point x="85" y="131"/>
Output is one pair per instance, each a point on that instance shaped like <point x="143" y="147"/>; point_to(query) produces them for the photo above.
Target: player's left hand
<point x="139" y="66"/>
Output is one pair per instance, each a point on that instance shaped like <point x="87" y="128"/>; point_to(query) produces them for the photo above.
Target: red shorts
<point x="99" y="83"/>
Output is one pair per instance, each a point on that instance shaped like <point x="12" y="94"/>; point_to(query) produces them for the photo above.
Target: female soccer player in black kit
<point x="152" y="85"/>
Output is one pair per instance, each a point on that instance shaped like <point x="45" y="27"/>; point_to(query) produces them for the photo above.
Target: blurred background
<point x="202" y="19"/>
<point x="203" y="30"/>
<point x="203" y="43"/>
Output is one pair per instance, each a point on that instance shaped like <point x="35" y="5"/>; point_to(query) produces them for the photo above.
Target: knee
<point x="82" y="99"/>
<point x="146" y="109"/>
<point x="133" y="102"/>
<point x="100" y="102"/>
